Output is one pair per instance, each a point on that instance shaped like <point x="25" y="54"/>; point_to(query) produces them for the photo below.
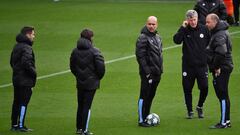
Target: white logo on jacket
<point x="201" y="35"/>
<point x="184" y="73"/>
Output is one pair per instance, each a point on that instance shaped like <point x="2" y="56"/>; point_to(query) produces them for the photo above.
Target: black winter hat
<point x="87" y="33"/>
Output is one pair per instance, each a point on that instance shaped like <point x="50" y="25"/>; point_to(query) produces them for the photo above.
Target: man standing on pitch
<point x="220" y="64"/>
<point x="194" y="37"/>
<point x="23" y="77"/>
<point x="87" y="65"/>
<point x="149" y="57"/>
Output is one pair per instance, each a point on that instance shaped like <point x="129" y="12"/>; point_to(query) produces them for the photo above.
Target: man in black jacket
<point x="149" y="57"/>
<point x="87" y="65"/>
<point x="195" y="38"/>
<point x="205" y="7"/>
<point x="220" y="64"/>
<point x="23" y="77"/>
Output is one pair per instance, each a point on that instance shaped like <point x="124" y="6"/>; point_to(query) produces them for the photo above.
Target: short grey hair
<point x="191" y="13"/>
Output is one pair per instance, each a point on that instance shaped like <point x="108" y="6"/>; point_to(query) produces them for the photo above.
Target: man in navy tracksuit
<point x="24" y="77"/>
<point x="87" y="65"/>
<point x="149" y="57"/>
<point x="194" y="37"/>
<point x="220" y="64"/>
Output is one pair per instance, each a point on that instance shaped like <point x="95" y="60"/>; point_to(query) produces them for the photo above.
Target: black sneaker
<point x="144" y="124"/>
<point x="218" y="126"/>
<point x="25" y="129"/>
<point x="190" y="115"/>
<point x="14" y="128"/>
<point x="79" y="131"/>
<point x="200" y="112"/>
<point x="87" y="133"/>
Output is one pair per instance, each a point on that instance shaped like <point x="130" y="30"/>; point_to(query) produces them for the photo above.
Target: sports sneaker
<point x="14" y="128"/>
<point x="79" y="131"/>
<point x="87" y="133"/>
<point x="144" y="124"/>
<point x="25" y="129"/>
<point x="218" y="126"/>
<point x="200" y="112"/>
<point x="190" y="115"/>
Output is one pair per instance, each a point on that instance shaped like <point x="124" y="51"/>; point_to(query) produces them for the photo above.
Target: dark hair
<point x="27" y="29"/>
<point x="87" y="33"/>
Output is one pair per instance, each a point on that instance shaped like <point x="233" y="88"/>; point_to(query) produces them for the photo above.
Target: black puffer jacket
<point x="87" y="64"/>
<point x="149" y="53"/>
<point x="23" y="62"/>
<point x="219" y="49"/>
<point x="195" y="41"/>
<point x="205" y="7"/>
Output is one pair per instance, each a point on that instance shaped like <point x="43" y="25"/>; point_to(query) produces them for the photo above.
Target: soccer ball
<point x="153" y="119"/>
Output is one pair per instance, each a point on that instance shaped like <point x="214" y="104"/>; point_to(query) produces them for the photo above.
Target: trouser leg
<point x="188" y="79"/>
<point x="80" y="98"/>
<point x="25" y="96"/>
<point x="15" y="106"/>
<point x="236" y="10"/>
<point x="150" y="96"/>
<point x="88" y="98"/>
<point x="202" y="80"/>
<point x="142" y="99"/>
<point x="221" y="89"/>
<point x="147" y="93"/>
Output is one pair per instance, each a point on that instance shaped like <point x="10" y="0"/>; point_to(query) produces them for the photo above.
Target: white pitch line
<point x="107" y="62"/>
<point x="67" y="71"/>
<point x="235" y="32"/>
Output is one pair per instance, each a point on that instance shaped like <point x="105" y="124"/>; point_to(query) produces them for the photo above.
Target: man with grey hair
<point x="195" y="38"/>
<point x="149" y="57"/>
<point x="219" y="51"/>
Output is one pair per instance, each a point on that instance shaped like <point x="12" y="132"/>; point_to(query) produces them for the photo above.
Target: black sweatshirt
<point x="194" y="40"/>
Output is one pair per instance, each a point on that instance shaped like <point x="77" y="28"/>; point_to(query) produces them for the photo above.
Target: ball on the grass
<point x="153" y="119"/>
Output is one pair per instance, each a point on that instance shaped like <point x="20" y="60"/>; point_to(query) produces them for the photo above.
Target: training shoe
<point x="14" y="128"/>
<point x="79" y="131"/>
<point x="190" y="115"/>
<point x="25" y="129"/>
<point x="200" y="112"/>
<point x="218" y="126"/>
<point x="87" y="133"/>
<point x="144" y="124"/>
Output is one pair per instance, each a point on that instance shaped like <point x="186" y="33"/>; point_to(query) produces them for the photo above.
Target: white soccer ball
<point x="153" y="119"/>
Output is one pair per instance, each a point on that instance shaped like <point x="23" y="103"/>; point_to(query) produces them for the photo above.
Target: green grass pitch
<point x="52" y="110"/>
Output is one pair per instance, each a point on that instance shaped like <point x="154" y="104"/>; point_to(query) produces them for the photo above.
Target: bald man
<point x="149" y="58"/>
<point x="220" y="63"/>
